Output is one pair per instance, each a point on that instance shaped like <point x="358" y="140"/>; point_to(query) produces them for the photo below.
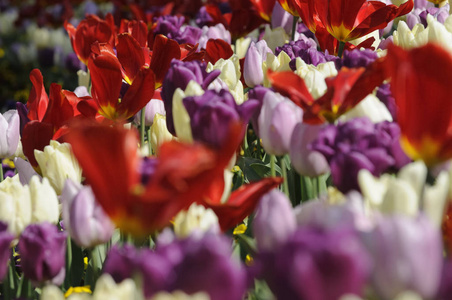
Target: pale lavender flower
<point x="84" y="219"/>
<point x="407" y="255"/>
<point x="274" y="221"/>
<point x="9" y="133"/>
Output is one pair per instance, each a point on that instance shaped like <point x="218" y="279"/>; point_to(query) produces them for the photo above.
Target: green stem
<point x="245" y="144"/>
<point x="1" y="170"/>
<point x="142" y="126"/>
<point x="294" y="27"/>
<point x="272" y="165"/>
<point x="149" y="141"/>
<point x="341" y="49"/>
<point x="68" y="278"/>
<point x="96" y="264"/>
<point x="284" y="175"/>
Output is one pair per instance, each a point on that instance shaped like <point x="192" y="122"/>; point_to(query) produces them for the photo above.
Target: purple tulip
<point x="385" y="95"/>
<point x="5" y="249"/>
<point x="258" y="94"/>
<point x="316" y="264"/>
<point x="274" y="221"/>
<point x="212" y="114"/>
<point x="445" y="288"/>
<point x="121" y="262"/>
<point x="356" y="58"/>
<point x="305" y="161"/>
<point x="179" y="75"/>
<point x="359" y="144"/>
<point x="306" y="49"/>
<point x="172" y="27"/>
<point x="407" y="255"/>
<point x="277" y="120"/>
<point x="190" y="265"/>
<point x="9" y="133"/>
<point x="84" y="219"/>
<point x="215" y="272"/>
<point x="252" y="68"/>
<point x="42" y="249"/>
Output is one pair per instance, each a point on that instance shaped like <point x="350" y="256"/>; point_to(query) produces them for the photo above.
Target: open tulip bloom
<point x="226" y="150"/>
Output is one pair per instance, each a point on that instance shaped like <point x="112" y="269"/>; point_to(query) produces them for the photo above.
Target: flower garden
<point x="226" y="149"/>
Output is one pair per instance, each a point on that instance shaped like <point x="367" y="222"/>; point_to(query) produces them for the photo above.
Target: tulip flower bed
<point x="226" y="149"/>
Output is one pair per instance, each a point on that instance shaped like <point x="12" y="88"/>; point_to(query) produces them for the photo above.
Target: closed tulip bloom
<point x="57" y="163"/>
<point x="159" y="132"/>
<point x="5" y="249"/>
<point x="277" y="121"/>
<point x="15" y="207"/>
<point x="252" y="71"/>
<point x="307" y="162"/>
<point x="155" y="106"/>
<point x="44" y="201"/>
<point x="84" y="219"/>
<point x="316" y="264"/>
<point x="9" y="133"/>
<point x="407" y="255"/>
<point x="274" y="221"/>
<point x="42" y="249"/>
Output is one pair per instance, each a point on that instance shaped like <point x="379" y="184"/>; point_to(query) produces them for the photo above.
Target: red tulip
<point x="344" y="91"/>
<point x="48" y="115"/>
<point x="183" y="174"/>
<point x="347" y="20"/>
<point x="422" y="90"/>
<point x="106" y="76"/>
<point x="90" y="30"/>
<point x="241" y="203"/>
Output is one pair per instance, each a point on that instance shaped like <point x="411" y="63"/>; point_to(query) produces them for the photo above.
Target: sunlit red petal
<point x="106" y="77"/>
<point x="38" y="100"/>
<point x="241" y="203"/>
<point x="59" y="110"/>
<point x="163" y="52"/>
<point x="216" y="49"/>
<point x="422" y="92"/>
<point x="109" y="159"/>
<point x="138" y="94"/>
<point x="130" y="55"/>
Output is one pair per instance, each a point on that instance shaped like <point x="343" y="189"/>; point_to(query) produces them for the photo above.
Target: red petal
<point x="422" y="89"/>
<point x="130" y="55"/>
<point x="163" y="52"/>
<point x="138" y="94"/>
<point x="292" y="86"/>
<point x="59" y="110"/>
<point x="106" y="77"/>
<point x="90" y="30"/>
<point x="35" y="135"/>
<point x="37" y="100"/>
<point x="109" y="159"/>
<point x="216" y="49"/>
<point x="242" y="202"/>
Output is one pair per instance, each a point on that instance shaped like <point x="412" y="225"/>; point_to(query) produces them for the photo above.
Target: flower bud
<point x="83" y="218"/>
<point x="277" y="120"/>
<point x="57" y="163"/>
<point x="9" y="133"/>
<point x="274" y="221"/>
<point x="159" y="132"/>
<point x="197" y="219"/>
<point x="305" y="161"/>
<point x="397" y="267"/>
<point x="5" y="249"/>
<point x="42" y="249"/>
